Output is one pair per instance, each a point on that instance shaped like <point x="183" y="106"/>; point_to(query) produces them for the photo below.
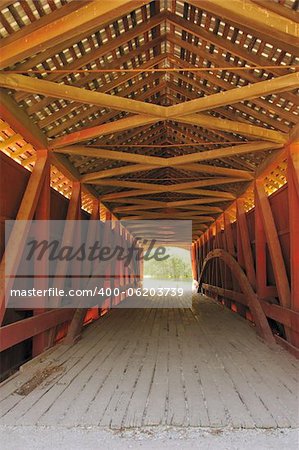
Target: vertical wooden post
<point x="40" y="341"/>
<point x="230" y="247"/>
<point x="293" y="197"/>
<point x="194" y="261"/>
<point x="240" y="256"/>
<point x="16" y="242"/>
<point x="279" y="269"/>
<point x="118" y="273"/>
<point x="74" y="209"/>
<point x="245" y="244"/>
<point x="73" y="214"/>
<point x="75" y="327"/>
<point x="108" y="283"/>
<point x="200" y="254"/>
<point x="126" y="268"/>
<point x="141" y="272"/>
<point x="219" y="267"/>
<point x="278" y="264"/>
<point x="121" y="282"/>
<point x="260" y="252"/>
<point x="228" y="234"/>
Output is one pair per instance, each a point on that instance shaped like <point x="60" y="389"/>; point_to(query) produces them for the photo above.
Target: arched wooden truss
<point x="251" y="297"/>
<point x="263" y="242"/>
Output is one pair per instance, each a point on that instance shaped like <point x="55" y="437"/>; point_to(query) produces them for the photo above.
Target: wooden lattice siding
<point x="17" y="148"/>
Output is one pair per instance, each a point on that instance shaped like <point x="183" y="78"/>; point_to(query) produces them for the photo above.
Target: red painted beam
<point x="254" y="305"/>
<point x="42" y="212"/>
<point x="276" y="312"/>
<point x="278" y="264"/>
<point x="26" y="211"/>
<point x="17" y="332"/>
<point x="293" y="198"/>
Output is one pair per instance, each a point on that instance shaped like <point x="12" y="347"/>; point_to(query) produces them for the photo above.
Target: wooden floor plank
<point x="136" y="407"/>
<point x="157" y="398"/>
<point x="203" y="367"/>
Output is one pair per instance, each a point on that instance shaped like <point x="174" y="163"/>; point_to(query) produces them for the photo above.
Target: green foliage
<point x="175" y="267"/>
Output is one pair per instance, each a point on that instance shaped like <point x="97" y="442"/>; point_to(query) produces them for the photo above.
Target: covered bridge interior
<point x="153" y="110"/>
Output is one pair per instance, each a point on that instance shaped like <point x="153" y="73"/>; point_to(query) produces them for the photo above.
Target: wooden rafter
<point x="166" y="162"/>
<point x="50" y="89"/>
<point x="66" y="24"/>
<point x="166" y="188"/>
<point x="260" y="19"/>
<point x="280" y="84"/>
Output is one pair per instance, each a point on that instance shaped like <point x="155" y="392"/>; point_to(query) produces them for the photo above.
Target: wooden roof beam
<point x="176" y="112"/>
<point x="77" y="94"/>
<point x="166" y="188"/>
<point x="126" y="195"/>
<point x="140" y="201"/>
<point x="208" y="193"/>
<point x="197" y="201"/>
<point x="222" y="153"/>
<point x="215" y="170"/>
<point x="139" y="192"/>
<point x="279" y="9"/>
<point x="223" y="44"/>
<point x="54" y="28"/>
<point x="99" y="121"/>
<point x="184" y="162"/>
<point x="23" y="125"/>
<point x="247" y="75"/>
<point x="230" y="126"/>
<point x="107" y="87"/>
<point x="199" y="209"/>
<point x="165" y="215"/>
<point x="104" y="87"/>
<point x="202" y="168"/>
<point x="283" y="29"/>
<point x="20" y="122"/>
<point x="239" y="94"/>
<point x="100" y="130"/>
<point x="200" y="120"/>
<point x="112" y="155"/>
<point x="117" y="171"/>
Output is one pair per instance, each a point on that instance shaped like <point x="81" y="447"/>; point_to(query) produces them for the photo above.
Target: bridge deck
<point x="144" y="367"/>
